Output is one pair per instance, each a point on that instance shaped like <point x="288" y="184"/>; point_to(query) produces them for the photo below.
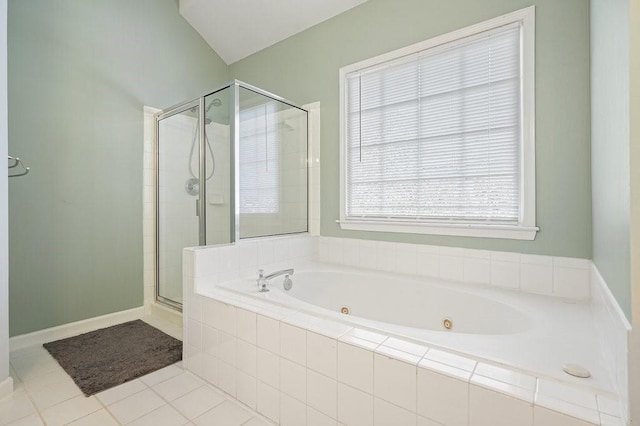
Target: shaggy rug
<point x="111" y="356"/>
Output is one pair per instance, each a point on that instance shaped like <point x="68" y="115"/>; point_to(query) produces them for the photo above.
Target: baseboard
<point x="170" y="315"/>
<point x="6" y="387"/>
<point x="74" y="328"/>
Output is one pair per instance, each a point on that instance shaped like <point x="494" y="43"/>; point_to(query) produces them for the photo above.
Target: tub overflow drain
<point x="447" y="323"/>
<point x="576" y="371"/>
<point x="345" y="310"/>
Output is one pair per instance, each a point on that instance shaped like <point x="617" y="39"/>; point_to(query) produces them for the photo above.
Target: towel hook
<point x="17" y="161"/>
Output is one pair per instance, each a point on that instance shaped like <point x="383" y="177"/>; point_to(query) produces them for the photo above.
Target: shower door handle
<point x="197" y="207"/>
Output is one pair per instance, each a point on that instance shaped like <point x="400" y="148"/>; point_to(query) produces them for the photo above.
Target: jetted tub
<point x="534" y="333"/>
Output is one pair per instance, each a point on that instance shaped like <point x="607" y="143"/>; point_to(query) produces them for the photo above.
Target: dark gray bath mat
<point x="111" y="356"/>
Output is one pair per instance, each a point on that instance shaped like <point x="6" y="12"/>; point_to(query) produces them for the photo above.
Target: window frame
<point x="526" y="228"/>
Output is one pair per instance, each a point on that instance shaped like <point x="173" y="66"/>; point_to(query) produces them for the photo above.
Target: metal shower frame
<point x="234" y="113"/>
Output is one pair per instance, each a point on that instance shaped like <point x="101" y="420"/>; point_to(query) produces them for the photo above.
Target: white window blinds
<point x="259" y="186"/>
<point x="437" y="136"/>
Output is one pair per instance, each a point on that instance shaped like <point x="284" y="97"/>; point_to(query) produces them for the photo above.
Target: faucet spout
<point x="263" y="279"/>
<point x="278" y="273"/>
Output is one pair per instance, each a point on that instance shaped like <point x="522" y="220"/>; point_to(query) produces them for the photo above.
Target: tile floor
<point x="46" y="395"/>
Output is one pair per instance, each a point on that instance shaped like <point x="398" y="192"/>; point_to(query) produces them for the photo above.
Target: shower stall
<point x="230" y="164"/>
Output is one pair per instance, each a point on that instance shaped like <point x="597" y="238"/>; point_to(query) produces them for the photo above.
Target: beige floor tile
<point x="48" y="396"/>
<point x="135" y="406"/>
<point x="15" y="407"/>
<point x="163" y="416"/>
<point x="120" y="392"/>
<point x="161" y="375"/>
<point x="70" y="410"/>
<point x="198" y="402"/>
<point x="99" y="418"/>
<point x="177" y="386"/>
<point x="32" y="420"/>
<point x="225" y="414"/>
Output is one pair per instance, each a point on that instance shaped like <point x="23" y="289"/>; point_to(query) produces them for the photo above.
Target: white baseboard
<point x="6" y="387"/>
<point x="170" y="315"/>
<point x="74" y="328"/>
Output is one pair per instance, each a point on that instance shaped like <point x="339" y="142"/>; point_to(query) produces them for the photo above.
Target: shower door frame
<point x="234" y="117"/>
<point x="170" y="112"/>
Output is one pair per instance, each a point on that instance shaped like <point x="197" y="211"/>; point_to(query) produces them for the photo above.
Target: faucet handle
<point x="260" y="273"/>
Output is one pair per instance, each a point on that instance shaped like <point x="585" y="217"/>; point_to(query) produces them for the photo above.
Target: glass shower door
<point x="178" y="173"/>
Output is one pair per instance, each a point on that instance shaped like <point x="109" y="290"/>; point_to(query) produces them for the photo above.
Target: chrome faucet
<point x="263" y="279"/>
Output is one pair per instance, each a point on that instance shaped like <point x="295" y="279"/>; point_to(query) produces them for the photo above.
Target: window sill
<point x="511" y="232"/>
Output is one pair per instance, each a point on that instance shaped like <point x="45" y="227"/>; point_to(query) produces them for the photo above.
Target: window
<point x="259" y="186"/>
<point x="438" y="137"/>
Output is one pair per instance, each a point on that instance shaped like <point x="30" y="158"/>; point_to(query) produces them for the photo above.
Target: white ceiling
<point x="237" y="28"/>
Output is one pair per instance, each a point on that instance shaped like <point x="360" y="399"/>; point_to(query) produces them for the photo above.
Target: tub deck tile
<point x="453" y="360"/>
<point x="368" y="335"/>
<point x="398" y="355"/>
<point x="505" y="375"/>
<point x="407" y="347"/>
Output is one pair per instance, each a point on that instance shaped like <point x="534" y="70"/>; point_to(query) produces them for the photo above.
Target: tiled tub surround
<point x="297" y="368"/>
<point x="612" y="330"/>
<point x="552" y="276"/>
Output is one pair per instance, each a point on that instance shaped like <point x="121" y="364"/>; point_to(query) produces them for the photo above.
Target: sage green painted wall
<point x="79" y="74"/>
<point x="610" y="146"/>
<point x="304" y="68"/>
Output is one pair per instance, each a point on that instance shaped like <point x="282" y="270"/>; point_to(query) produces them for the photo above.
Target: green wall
<point x="610" y="146"/>
<point x="79" y="74"/>
<point x="304" y="68"/>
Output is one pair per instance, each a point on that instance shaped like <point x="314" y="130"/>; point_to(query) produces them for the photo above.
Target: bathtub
<point x="347" y="345"/>
<point x="538" y="334"/>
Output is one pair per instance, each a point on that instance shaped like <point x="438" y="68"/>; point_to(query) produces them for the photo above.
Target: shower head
<point x="216" y="103"/>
